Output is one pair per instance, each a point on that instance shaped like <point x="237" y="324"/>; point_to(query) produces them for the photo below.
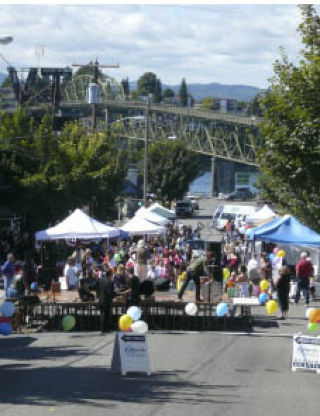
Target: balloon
<point x="314" y="315"/>
<point x="225" y="273"/>
<point x="139" y="327"/>
<point x="7" y="309"/>
<point x="275" y="250"/>
<point x="264" y="284"/>
<point x="5" y="328"/>
<point x="308" y="311"/>
<point x="263" y="297"/>
<point x="125" y="322"/>
<point x="134" y="312"/>
<point x="256" y="290"/>
<point x="191" y="309"/>
<point x="222" y="309"/>
<point x="271" y="306"/>
<point x="281" y="253"/>
<point x="271" y="257"/>
<point x="312" y="326"/>
<point x="117" y="257"/>
<point x="68" y="322"/>
<point x="231" y="292"/>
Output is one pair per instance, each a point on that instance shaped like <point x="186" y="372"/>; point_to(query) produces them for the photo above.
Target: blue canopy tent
<point x="285" y="230"/>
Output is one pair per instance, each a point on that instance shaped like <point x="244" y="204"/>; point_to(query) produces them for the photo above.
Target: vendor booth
<point x="78" y="225"/>
<point x="140" y="226"/>
<point x="263" y="216"/>
<point x="151" y="216"/>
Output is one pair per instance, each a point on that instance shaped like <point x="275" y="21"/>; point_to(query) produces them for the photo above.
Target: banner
<point x="306" y="353"/>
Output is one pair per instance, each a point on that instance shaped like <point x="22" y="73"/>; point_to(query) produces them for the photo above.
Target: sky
<point x="227" y="44"/>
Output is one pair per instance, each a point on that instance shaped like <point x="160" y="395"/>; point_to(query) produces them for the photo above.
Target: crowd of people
<point x="134" y="267"/>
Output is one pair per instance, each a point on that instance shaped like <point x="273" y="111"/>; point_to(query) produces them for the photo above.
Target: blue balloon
<point x="134" y="312"/>
<point x="7" y="309"/>
<point x="222" y="309"/>
<point x="263" y="298"/>
<point x="5" y="328"/>
<point x="272" y="256"/>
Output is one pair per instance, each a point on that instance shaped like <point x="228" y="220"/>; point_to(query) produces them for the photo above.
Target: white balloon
<point x="191" y="309"/>
<point x="308" y="311"/>
<point x="139" y="327"/>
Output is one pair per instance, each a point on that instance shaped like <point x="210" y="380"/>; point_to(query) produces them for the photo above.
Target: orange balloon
<point x="314" y="316"/>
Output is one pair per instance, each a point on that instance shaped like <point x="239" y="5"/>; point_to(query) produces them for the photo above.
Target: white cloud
<point x="211" y="43"/>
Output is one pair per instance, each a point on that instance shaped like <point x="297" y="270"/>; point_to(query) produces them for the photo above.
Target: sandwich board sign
<point x="130" y="354"/>
<point x="306" y="353"/>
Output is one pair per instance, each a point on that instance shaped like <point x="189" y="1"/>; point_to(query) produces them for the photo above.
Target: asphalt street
<point x="206" y="373"/>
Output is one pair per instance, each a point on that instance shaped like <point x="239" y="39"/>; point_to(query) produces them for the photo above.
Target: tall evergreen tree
<point x="183" y="93"/>
<point x="126" y="87"/>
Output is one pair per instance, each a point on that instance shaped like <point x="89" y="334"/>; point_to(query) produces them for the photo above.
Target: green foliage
<point x="126" y="87"/>
<point x="206" y="102"/>
<point x="148" y="83"/>
<point x="168" y="93"/>
<point x="183" y="93"/>
<point x="171" y="168"/>
<point x="51" y="174"/>
<point x="290" y="158"/>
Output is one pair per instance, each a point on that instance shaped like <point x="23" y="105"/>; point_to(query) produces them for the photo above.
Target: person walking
<point x="8" y="273"/>
<point x="304" y="270"/>
<point x="282" y="285"/>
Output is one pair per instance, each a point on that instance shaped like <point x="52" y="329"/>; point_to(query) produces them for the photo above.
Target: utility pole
<point x="95" y="72"/>
<point x="145" y="160"/>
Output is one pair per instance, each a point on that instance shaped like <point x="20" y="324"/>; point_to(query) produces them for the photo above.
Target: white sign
<point x="63" y="283"/>
<point x="130" y="354"/>
<point x="306" y="353"/>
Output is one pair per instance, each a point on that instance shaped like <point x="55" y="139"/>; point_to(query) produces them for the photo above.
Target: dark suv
<point x="184" y="208"/>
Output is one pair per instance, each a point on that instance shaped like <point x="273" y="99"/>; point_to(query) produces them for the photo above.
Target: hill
<point x="199" y="91"/>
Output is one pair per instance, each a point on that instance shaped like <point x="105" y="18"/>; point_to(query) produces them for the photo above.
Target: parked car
<point x="184" y="208"/>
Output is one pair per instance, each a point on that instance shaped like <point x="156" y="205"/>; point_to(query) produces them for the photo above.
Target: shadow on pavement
<point x="99" y="387"/>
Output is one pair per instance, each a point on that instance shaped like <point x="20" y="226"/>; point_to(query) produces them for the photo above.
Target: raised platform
<point x="165" y="312"/>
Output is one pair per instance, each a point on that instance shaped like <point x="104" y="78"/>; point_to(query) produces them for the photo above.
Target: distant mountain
<point x="199" y="91"/>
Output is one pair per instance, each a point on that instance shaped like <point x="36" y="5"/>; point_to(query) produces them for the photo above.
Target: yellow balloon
<point x="125" y="322"/>
<point x="225" y="273"/>
<point x="314" y="316"/>
<point x="281" y="253"/>
<point x="271" y="306"/>
<point x="264" y="284"/>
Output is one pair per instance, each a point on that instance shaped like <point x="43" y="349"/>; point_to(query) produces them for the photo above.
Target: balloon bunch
<point x="68" y="323"/>
<point x="7" y="311"/>
<point x="131" y="321"/>
<point x="276" y="254"/>
<point x="313" y="315"/>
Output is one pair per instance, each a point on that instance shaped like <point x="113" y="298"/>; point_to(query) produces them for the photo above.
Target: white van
<point x="236" y="213"/>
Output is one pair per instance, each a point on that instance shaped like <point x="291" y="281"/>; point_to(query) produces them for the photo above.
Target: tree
<point x="171" y="169"/>
<point x="168" y="93"/>
<point x="254" y="108"/>
<point x="206" y="102"/>
<point x="290" y="158"/>
<point x="126" y="87"/>
<point x="183" y="93"/>
<point x="148" y="83"/>
<point x="51" y="174"/>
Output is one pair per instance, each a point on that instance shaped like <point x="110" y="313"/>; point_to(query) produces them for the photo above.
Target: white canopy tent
<point x="263" y="216"/>
<point x="151" y="216"/>
<point x="160" y="210"/>
<point x="140" y="226"/>
<point x="78" y="225"/>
